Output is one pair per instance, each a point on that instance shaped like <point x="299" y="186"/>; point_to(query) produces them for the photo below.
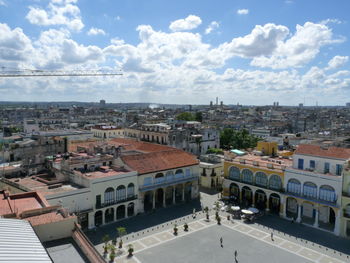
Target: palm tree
<point x="105" y="240"/>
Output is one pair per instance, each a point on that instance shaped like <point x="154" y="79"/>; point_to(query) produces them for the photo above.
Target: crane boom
<point x="47" y="73"/>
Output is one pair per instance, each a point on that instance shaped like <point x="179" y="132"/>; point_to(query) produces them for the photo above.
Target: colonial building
<point x="345" y="219"/>
<point x="211" y="171"/>
<point x="107" y="132"/>
<point x="314" y="185"/>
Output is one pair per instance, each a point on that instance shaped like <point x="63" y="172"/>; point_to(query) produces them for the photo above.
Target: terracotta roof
<point x="129" y="144"/>
<point x="159" y="161"/>
<point x="331" y="152"/>
<point x="45" y="218"/>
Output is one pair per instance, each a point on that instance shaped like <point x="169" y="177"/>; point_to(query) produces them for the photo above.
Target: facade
<point x="107" y="132"/>
<point x="211" y="171"/>
<point x="253" y="180"/>
<point x="345" y="219"/>
<point x="314" y="185"/>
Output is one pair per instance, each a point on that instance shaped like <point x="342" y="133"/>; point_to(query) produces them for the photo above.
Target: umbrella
<point x="254" y="210"/>
<point x="247" y="212"/>
<point x="235" y="208"/>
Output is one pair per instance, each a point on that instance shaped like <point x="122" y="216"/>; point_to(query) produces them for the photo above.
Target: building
<point x="211" y="171"/>
<point x="345" y="219"/>
<point x="314" y="186"/>
<point x="254" y="180"/>
<point x="107" y="131"/>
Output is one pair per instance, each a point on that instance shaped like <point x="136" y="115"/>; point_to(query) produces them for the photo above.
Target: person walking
<point x="221" y="242"/>
<point x="272" y="236"/>
<point x="236" y="255"/>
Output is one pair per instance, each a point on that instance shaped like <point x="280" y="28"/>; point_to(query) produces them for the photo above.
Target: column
<point x="164" y="192"/>
<point x="154" y="200"/>
<point x="183" y="193"/>
<point x="299" y="214"/>
<point x="267" y="204"/>
<point x="103" y="217"/>
<point x="316" y="217"/>
<point x="337" y="222"/>
<point x="174" y="201"/>
<point x="283" y="207"/>
<point x="253" y="198"/>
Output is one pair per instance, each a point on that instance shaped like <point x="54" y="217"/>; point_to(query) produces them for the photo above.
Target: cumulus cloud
<point x="337" y="62"/>
<point x="243" y="11"/>
<point x="96" y="31"/>
<point x="3" y="3"/>
<point x="58" y="12"/>
<point x="189" y="23"/>
<point x="212" y="26"/>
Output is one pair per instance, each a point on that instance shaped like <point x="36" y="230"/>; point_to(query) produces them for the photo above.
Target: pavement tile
<point x="195" y="225"/>
<point x="243" y="228"/>
<point x="276" y="240"/>
<point x="258" y="234"/>
<point x="164" y="236"/>
<point x="310" y="254"/>
<point x="291" y="246"/>
<point x="326" y="259"/>
<point x="211" y="222"/>
<point x="149" y="241"/>
<point x="136" y="245"/>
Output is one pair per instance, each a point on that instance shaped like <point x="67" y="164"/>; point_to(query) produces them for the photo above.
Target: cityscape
<point x="214" y="134"/>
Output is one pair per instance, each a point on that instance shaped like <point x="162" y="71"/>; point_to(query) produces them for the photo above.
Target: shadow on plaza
<point x="307" y="233"/>
<point x="143" y="221"/>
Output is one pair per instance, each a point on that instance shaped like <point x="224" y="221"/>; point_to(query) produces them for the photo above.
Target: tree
<point x="230" y="138"/>
<point x="121" y="232"/>
<point x="198" y="116"/>
<point x="105" y="240"/>
<point x="215" y="151"/>
<point x="185" y="116"/>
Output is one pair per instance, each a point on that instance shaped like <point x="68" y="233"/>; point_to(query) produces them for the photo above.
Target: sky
<point x="250" y="52"/>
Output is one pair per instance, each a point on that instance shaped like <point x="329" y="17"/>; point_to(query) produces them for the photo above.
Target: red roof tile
<point x="45" y="218"/>
<point x="331" y="152"/>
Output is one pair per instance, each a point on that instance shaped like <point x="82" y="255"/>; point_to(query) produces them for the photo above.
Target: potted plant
<point x="121" y="232"/>
<point x="206" y="210"/>
<point x="175" y="229"/>
<point x="228" y="217"/>
<point x="185" y="227"/>
<point x="112" y="248"/>
<point x="130" y="250"/>
<point x="112" y="257"/>
<point x="105" y="240"/>
<point x="120" y="244"/>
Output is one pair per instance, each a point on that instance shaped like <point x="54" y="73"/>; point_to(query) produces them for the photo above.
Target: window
<point x="121" y="193"/>
<point x="312" y="164"/>
<point x="310" y="190"/>
<point x="275" y="182"/>
<point x="109" y="196"/>
<point x="339" y="169"/>
<point x="131" y="190"/>
<point x="98" y="200"/>
<point x="234" y="173"/>
<point x="261" y="179"/>
<point x="301" y="164"/>
<point x="147" y="181"/>
<point x="293" y="186"/>
<point x="247" y="176"/>
<point x="188" y="172"/>
<point x="327" y="193"/>
<point x="326" y="168"/>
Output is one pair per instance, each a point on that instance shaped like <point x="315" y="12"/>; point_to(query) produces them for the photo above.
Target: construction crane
<point x="16" y="73"/>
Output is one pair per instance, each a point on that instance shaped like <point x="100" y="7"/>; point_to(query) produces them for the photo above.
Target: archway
<point x="109" y="196"/>
<point x="169" y="195"/>
<point x="159" y="178"/>
<point x="188" y="192"/>
<point x="260" y="199"/>
<point x="275" y="182"/>
<point x="247" y="176"/>
<point x="179" y="173"/>
<point x="247" y="196"/>
<point x="291" y="208"/>
<point x="109" y="215"/>
<point x="326" y="218"/>
<point x="98" y="218"/>
<point x="261" y="179"/>
<point x="234" y="193"/>
<point x="234" y="173"/>
<point x="148" y="201"/>
<point x="308" y="213"/>
<point x="159" y="197"/>
<point x="274" y="203"/>
<point x="121" y="193"/>
<point x="131" y="190"/>
<point x="131" y="209"/>
<point x="121" y="212"/>
<point x="178" y="193"/>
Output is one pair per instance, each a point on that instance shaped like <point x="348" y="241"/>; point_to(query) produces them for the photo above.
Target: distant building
<point x="102" y="103"/>
<point x="107" y="131"/>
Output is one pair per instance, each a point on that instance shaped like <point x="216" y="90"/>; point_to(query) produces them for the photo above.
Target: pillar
<point x="154" y="200"/>
<point x="164" y="192"/>
<point x="299" y="214"/>
<point x="174" y="201"/>
<point x="103" y="217"/>
<point x="253" y="198"/>
<point x="183" y="193"/>
<point x="267" y="204"/>
<point x="337" y="223"/>
<point x="316" y="217"/>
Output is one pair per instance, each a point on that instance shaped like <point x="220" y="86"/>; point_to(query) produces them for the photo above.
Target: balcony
<point x="167" y="181"/>
<point x="312" y="199"/>
<point x="115" y="202"/>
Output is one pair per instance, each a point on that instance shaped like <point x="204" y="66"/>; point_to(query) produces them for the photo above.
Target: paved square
<point x="165" y="236"/>
<point x="149" y="241"/>
<point x="308" y="253"/>
<point x="204" y="246"/>
<point x="291" y="246"/>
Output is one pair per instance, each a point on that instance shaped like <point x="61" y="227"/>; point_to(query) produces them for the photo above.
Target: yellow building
<point x="252" y="180"/>
<point x="267" y="148"/>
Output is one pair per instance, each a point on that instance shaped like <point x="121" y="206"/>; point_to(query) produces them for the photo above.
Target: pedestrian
<point x="292" y="220"/>
<point x="221" y="241"/>
<point x="272" y="236"/>
<point x="236" y="255"/>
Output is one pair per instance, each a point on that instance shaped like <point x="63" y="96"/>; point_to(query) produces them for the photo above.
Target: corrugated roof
<point x="19" y="243"/>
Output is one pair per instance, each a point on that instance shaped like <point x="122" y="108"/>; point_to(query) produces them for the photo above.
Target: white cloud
<point x="59" y="12"/>
<point x="189" y="23"/>
<point x="212" y="26"/>
<point x="243" y="11"/>
<point x="337" y="62"/>
<point x="3" y="3"/>
<point x="96" y="31"/>
<point x="118" y="18"/>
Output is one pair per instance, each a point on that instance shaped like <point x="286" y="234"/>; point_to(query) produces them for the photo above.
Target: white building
<point x="313" y="186"/>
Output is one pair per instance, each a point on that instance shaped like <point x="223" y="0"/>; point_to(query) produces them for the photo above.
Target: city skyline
<point x="179" y="53"/>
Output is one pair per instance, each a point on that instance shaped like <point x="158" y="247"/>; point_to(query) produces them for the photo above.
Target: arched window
<point x="179" y="173"/>
<point x="247" y="176"/>
<point x="169" y="176"/>
<point x="294" y="186"/>
<point x="188" y="172"/>
<point x="234" y="173"/>
<point x="121" y="193"/>
<point x="310" y="190"/>
<point x="131" y="190"/>
<point x="327" y="193"/>
<point x="261" y="179"/>
<point x="109" y="195"/>
<point x="159" y="178"/>
<point x="275" y="182"/>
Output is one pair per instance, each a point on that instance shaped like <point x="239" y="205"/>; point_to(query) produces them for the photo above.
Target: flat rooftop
<point x="65" y="250"/>
<point x="19" y="203"/>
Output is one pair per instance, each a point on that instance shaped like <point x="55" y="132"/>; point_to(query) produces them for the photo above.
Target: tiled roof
<point x="159" y="161"/>
<point x="45" y="218"/>
<point x="139" y="145"/>
<point x="331" y="152"/>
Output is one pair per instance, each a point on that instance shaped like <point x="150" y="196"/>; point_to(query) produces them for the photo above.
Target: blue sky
<point x="251" y="52"/>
